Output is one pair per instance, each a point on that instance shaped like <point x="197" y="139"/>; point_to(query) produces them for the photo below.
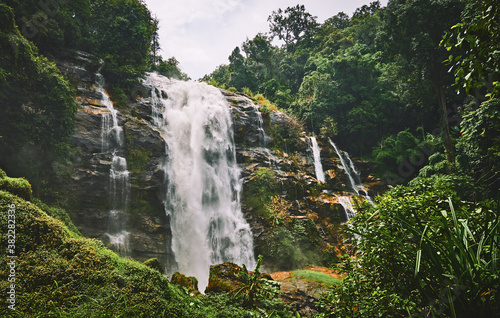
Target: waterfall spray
<point x="202" y="178"/>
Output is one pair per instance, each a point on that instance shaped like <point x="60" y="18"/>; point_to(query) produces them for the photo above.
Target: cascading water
<point x="317" y="160"/>
<point x="202" y="177"/>
<point x="113" y="142"/>
<point x="346" y="203"/>
<point x="263" y="137"/>
<point x="354" y="180"/>
<point x="346" y="168"/>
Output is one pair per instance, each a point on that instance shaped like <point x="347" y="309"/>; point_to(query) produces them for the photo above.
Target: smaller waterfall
<point x="263" y="137"/>
<point x="346" y="168"/>
<point x="113" y="142"/>
<point x="346" y="203"/>
<point x="317" y="160"/>
<point x="354" y="180"/>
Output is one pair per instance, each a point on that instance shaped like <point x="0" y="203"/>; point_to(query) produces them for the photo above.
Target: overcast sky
<point x="201" y="34"/>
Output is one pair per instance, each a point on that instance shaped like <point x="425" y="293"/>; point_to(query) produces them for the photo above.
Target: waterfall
<point x="317" y="160"/>
<point x="354" y="180"/>
<point x="202" y="177"/>
<point x="112" y="142"/>
<point x="346" y="203"/>
<point x="263" y="137"/>
<point x="346" y="168"/>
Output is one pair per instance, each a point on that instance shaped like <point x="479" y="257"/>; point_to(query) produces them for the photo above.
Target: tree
<point x="169" y="68"/>
<point x="155" y="43"/>
<point x="37" y="108"/>
<point x="240" y="75"/>
<point x="365" y="11"/>
<point x="474" y="41"/>
<point x="339" y="21"/>
<point x="122" y="36"/>
<point x="259" y="57"/>
<point x="441" y="250"/>
<point x="292" y="25"/>
<point x="411" y="34"/>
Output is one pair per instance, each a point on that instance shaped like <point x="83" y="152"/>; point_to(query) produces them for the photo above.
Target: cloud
<point x="176" y="15"/>
<point x="202" y="33"/>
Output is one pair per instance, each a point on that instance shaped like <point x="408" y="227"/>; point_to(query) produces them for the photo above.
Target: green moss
<point x="18" y="186"/>
<point x="138" y="159"/>
<point x="63" y="275"/>
<point x="57" y="213"/>
<point x="141" y="207"/>
<point x="154" y="263"/>
<point x="135" y="114"/>
<point x="188" y="282"/>
<point x="259" y="191"/>
<point x="286" y="136"/>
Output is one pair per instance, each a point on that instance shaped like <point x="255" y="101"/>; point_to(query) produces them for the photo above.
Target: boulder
<point x="224" y="277"/>
<point x="189" y="282"/>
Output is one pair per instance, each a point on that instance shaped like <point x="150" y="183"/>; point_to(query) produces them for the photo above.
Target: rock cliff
<point x="296" y="221"/>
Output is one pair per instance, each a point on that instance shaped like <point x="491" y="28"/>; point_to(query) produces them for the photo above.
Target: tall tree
<point x="411" y="34"/>
<point x="474" y="41"/>
<point x="292" y="25"/>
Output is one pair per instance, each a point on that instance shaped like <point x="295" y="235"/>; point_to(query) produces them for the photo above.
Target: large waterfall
<point x="202" y="178"/>
<point x="119" y="185"/>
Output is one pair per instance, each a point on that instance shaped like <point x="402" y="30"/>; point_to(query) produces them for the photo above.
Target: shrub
<point x="261" y="188"/>
<point x="441" y="251"/>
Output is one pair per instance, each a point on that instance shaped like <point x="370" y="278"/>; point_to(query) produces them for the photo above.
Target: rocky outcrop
<point x="225" y="277"/>
<point x="188" y="282"/>
<point x="88" y="185"/>
<point x="262" y="141"/>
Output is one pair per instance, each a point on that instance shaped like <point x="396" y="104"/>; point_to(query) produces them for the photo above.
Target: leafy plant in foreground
<point x="422" y="251"/>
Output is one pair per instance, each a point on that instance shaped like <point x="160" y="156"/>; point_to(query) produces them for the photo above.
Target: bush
<point x="259" y="191"/>
<point x="441" y="251"/>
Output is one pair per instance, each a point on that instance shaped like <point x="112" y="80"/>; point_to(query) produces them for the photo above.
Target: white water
<point x="347" y="170"/>
<point x="113" y="142"/>
<point x="202" y="178"/>
<point x="354" y="180"/>
<point x="263" y="137"/>
<point x="346" y="203"/>
<point x="320" y="175"/>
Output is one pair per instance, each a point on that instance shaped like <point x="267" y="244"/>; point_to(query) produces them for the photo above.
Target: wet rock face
<point x="88" y="184"/>
<point x="247" y="120"/>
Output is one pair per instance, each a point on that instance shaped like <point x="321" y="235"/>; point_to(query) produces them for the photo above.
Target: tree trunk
<point x="448" y="143"/>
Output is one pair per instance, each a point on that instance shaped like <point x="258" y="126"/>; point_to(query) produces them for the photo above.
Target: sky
<point x="201" y="34"/>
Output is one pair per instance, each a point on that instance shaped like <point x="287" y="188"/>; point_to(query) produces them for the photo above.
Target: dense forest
<point x="390" y="84"/>
<point x="412" y="87"/>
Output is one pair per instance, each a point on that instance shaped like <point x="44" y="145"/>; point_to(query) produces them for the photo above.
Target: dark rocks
<point x="247" y="121"/>
<point x="229" y="277"/>
<point x="224" y="278"/>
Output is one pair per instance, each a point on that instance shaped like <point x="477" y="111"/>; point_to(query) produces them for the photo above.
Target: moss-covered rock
<point x="189" y="282"/>
<point x="60" y="274"/>
<point x="224" y="278"/>
<point x="154" y="263"/>
<point x="18" y="186"/>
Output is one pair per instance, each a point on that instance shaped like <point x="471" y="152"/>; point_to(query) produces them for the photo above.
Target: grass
<point x="316" y="277"/>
